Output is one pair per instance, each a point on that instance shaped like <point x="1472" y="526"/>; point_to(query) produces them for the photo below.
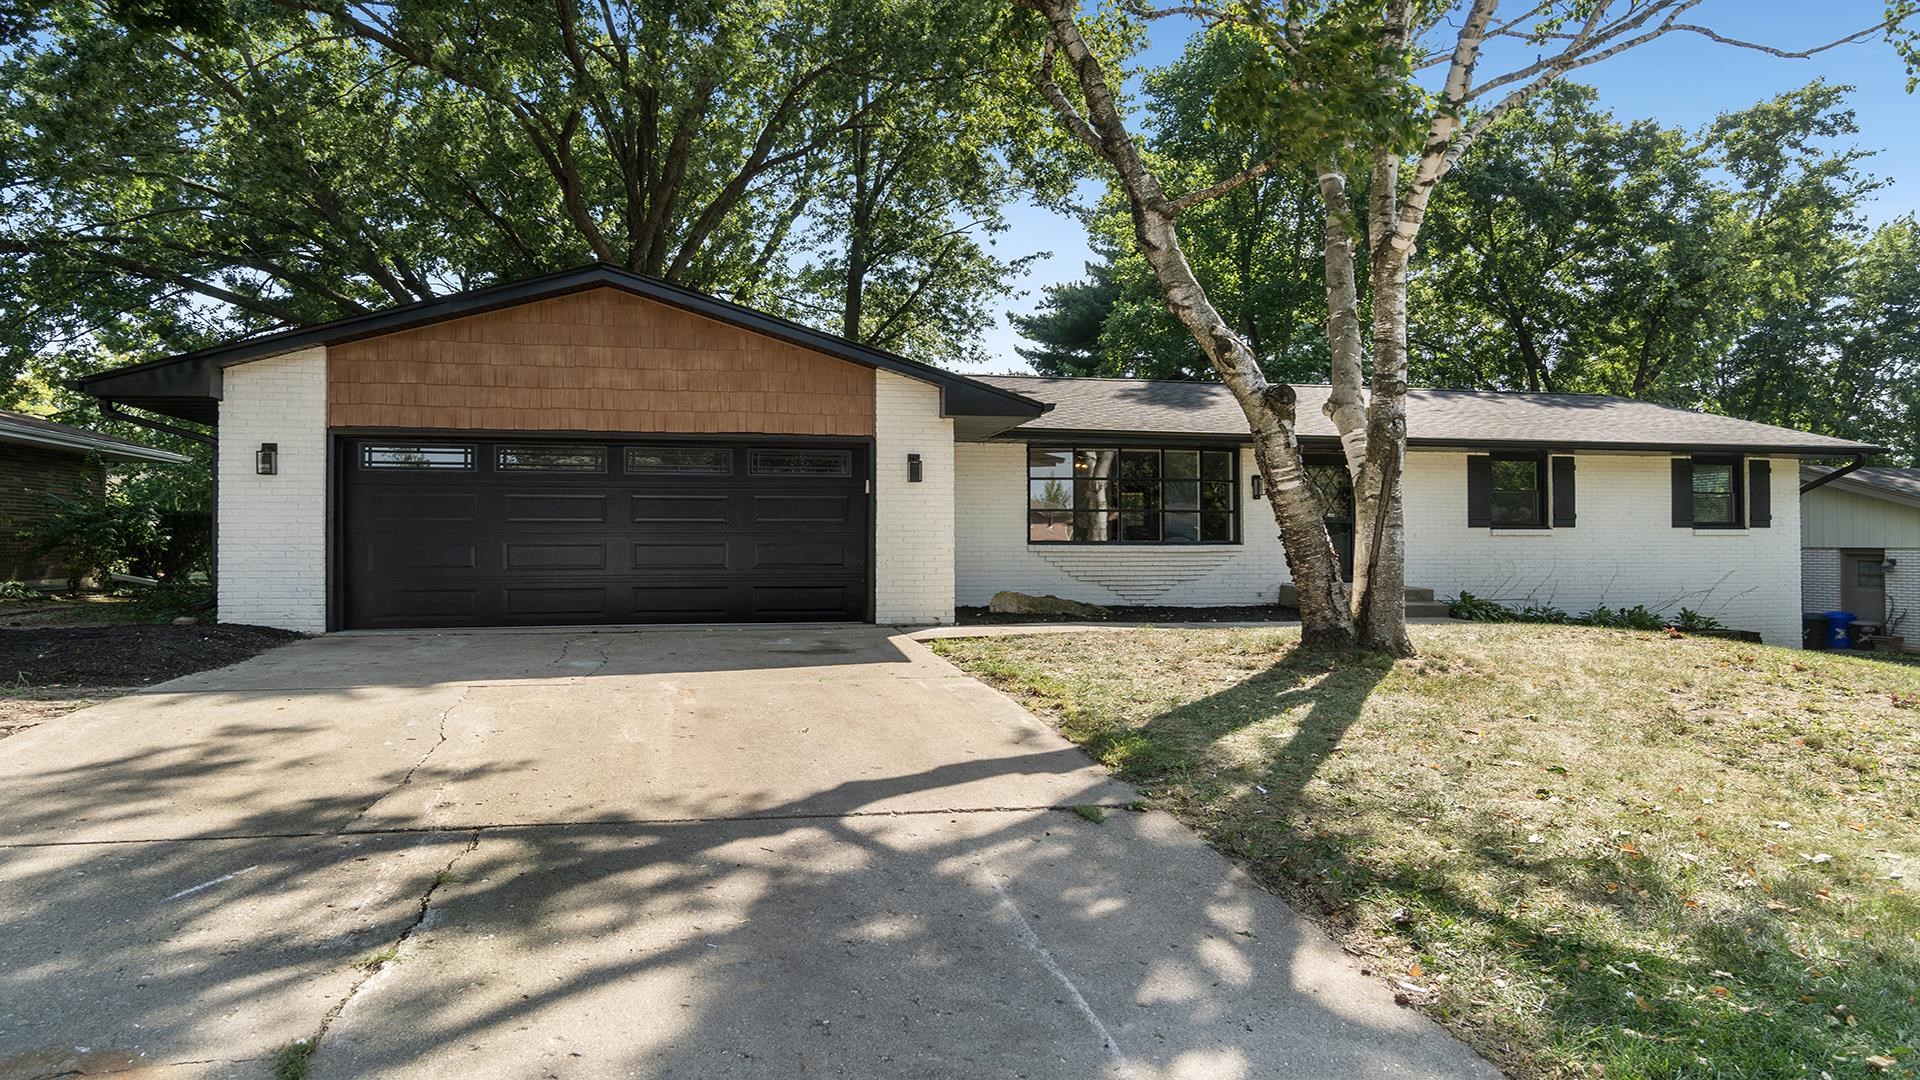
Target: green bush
<point x="1473" y="609"/>
<point x="17" y="590"/>
<point x="1477" y="609"/>
<point x="1636" y="617"/>
<point x="94" y="536"/>
<point x="1692" y="622"/>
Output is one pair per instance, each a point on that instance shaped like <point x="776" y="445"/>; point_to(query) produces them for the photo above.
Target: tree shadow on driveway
<point x="955" y="941"/>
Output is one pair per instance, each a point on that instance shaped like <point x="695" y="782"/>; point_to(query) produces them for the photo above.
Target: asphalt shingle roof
<point x="1904" y="483"/>
<point x="1434" y="417"/>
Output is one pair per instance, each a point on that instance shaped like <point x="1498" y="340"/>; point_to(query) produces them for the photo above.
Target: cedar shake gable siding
<point x="598" y="360"/>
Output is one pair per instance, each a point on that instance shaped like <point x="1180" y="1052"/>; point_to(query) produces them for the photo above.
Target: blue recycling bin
<point x="1839" y="629"/>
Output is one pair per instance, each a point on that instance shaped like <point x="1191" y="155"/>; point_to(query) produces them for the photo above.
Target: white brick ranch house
<point x="599" y="447"/>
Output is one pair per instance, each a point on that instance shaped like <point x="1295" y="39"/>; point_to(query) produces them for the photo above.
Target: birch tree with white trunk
<point x="1341" y="88"/>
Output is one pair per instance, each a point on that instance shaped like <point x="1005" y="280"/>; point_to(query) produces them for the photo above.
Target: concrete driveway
<point x="724" y="853"/>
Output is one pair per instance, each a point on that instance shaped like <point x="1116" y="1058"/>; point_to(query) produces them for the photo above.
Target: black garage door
<point x="456" y="532"/>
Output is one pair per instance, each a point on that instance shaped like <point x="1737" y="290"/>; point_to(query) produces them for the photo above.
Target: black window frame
<point x="1542" y="490"/>
<point x="468" y="461"/>
<point x="1736" y="470"/>
<point x="1158" y="481"/>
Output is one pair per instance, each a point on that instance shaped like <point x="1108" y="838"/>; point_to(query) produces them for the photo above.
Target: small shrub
<point x="1474" y="609"/>
<point x="1692" y="622"/>
<point x="17" y="590"/>
<point x="1542" y="613"/>
<point x="1636" y="617"/>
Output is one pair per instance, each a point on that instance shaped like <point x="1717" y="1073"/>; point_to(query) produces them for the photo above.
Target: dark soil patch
<point x="979" y="616"/>
<point x="127" y="655"/>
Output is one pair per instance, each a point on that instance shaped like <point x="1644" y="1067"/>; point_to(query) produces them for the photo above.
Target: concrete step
<point x="1419" y="595"/>
<point x="1430" y="609"/>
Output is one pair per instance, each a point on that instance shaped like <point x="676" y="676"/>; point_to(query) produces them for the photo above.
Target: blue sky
<point x="1682" y="80"/>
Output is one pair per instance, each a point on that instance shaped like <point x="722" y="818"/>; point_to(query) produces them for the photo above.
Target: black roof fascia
<point x="196" y="374"/>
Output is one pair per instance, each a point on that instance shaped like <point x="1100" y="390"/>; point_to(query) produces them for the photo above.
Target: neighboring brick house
<point x="596" y="446"/>
<point x="38" y="457"/>
<point x="1860" y="546"/>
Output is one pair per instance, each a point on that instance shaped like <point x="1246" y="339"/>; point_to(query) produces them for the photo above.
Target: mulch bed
<point x="1248" y="613"/>
<point x="126" y="655"/>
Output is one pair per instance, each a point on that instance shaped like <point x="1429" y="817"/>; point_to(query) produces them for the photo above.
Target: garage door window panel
<point x="416" y="457"/>
<point x="678" y="460"/>
<point x="564" y="459"/>
<point x="801" y="462"/>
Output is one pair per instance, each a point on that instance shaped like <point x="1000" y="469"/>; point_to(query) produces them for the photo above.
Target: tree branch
<point x="1214" y="191"/>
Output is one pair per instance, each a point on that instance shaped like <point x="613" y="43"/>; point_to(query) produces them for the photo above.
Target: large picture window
<point x="1115" y="495"/>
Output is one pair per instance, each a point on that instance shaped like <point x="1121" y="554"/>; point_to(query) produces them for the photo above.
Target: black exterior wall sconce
<point x="1259" y="486"/>
<point x="913" y="468"/>
<point x="266" y="460"/>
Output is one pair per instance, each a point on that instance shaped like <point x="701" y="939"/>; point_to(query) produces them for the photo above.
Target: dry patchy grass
<point x="1589" y="852"/>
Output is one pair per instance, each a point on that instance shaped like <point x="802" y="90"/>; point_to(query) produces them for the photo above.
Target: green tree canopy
<point x="281" y="163"/>
<point x="1257" y="246"/>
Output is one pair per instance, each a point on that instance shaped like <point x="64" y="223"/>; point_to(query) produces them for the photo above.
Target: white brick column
<point x="272" y="530"/>
<point x="913" y="523"/>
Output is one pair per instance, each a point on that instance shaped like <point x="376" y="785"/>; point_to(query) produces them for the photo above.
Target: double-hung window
<point x="1123" y="495"/>
<point x="1716" y="492"/>
<point x="1519" y="491"/>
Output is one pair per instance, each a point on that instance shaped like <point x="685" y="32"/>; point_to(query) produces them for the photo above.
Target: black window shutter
<point x="1683" y="493"/>
<point x="1760" y="493"/>
<point x="1479" y="491"/>
<point x="1563" y="515"/>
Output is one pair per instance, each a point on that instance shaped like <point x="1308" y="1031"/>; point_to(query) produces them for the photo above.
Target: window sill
<point x="1727" y="531"/>
<point x="1539" y="530"/>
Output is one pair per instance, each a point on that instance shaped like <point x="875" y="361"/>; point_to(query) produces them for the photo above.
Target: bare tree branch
<point x="1214" y="191"/>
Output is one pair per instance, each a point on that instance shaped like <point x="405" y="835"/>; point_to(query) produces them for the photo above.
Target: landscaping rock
<point x="1013" y="603"/>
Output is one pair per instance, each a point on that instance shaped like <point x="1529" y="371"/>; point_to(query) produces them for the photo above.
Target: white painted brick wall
<point x="991" y="494"/>
<point x="913" y="523"/>
<point x="273" y="529"/>
<point x="1624" y="550"/>
<point x="1903" y="592"/>
<point x="1820" y="579"/>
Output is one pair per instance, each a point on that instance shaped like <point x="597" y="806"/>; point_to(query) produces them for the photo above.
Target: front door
<point x="1863" y="585"/>
<point x="1333" y="488"/>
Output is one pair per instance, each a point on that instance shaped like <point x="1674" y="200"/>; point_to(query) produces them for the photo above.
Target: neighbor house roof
<point x="1894" y="485"/>
<point x="19" y="429"/>
<point x="188" y="386"/>
<point x="1435" y="418"/>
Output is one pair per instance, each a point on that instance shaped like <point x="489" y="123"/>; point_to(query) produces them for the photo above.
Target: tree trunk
<point x="1325" y="616"/>
<point x="1381" y="607"/>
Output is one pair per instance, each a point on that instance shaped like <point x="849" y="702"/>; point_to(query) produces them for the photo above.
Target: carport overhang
<point x="188" y="386"/>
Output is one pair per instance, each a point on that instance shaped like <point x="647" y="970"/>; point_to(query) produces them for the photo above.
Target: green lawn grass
<point x="1588" y="852"/>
